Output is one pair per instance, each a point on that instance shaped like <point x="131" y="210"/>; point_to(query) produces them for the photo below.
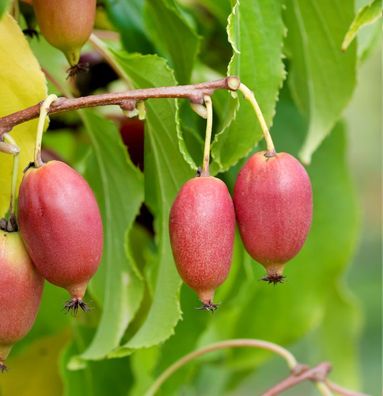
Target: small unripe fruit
<point x="67" y="24"/>
<point x="20" y="292"/>
<point x="202" y="225"/>
<point x="273" y="205"/>
<point x="61" y="226"/>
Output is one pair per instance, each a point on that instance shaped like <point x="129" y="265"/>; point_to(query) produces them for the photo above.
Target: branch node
<point x="129" y="108"/>
<point x="128" y="105"/>
<point x="321" y="372"/>
<point x="299" y="369"/>
<point x="233" y="83"/>
<point x="197" y="97"/>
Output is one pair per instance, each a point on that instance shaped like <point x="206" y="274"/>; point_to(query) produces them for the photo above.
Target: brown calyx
<point x="274" y="273"/>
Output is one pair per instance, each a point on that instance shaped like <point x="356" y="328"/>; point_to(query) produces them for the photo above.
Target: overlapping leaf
<point x="165" y="172"/>
<point x="313" y="276"/>
<point x="118" y="186"/>
<point x="365" y="16"/>
<point x="173" y="36"/>
<point x="256" y="32"/>
<point x="22" y="84"/>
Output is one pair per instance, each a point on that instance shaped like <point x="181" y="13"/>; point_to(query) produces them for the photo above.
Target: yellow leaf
<point x="35" y="370"/>
<point x="22" y="84"/>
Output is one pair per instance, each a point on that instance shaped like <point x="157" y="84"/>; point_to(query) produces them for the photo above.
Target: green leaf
<point x="312" y="276"/>
<point x="128" y="19"/>
<point x="322" y="77"/>
<point x="255" y="31"/>
<point x="173" y="36"/>
<point x="365" y="16"/>
<point x="220" y="9"/>
<point x="97" y="378"/>
<point x="4" y="4"/>
<point x="337" y="338"/>
<point x="118" y="186"/>
<point x="165" y="172"/>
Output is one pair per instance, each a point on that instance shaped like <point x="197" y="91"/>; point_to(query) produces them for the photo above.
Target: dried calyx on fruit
<point x="67" y="26"/>
<point x="20" y="292"/>
<point x="273" y="204"/>
<point x="61" y="226"/>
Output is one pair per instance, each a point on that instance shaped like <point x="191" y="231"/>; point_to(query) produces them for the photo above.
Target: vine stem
<point x="316" y="374"/>
<point x="15" y="151"/>
<point x="340" y="390"/>
<point x="249" y="95"/>
<point x="126" y="100"/>
<point x="44" y="108"/>
<point x="237" y="343"/>
<point x="209" y="128"/>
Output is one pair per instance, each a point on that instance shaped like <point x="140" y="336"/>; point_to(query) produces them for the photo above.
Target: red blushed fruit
<point x="61" y="226"/>
<point x="202" y="225"/>
<point x="273" y="205"/>
<point x="20" y="292"/>
<point x="66" y="25"/>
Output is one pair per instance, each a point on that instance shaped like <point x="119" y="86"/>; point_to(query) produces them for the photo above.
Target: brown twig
<point x="195" y="93"/>
<point x="315" y="374"/>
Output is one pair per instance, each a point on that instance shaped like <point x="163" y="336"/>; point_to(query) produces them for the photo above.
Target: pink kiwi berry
<point x="20" y="292"/>
<point x="273" y="205"/>
<point x="202" y="225"/>
<point x="61" y="226"/>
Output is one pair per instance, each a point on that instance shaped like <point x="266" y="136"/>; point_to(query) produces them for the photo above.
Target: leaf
<point x="322" y="78"/>
<point x="255" y="31"/>
<point x="366" y="15"/>
<point x="33" y="372"/>
<point x="98" y="378"/>
<point x="172" y="36"/>
<point x="165" y="172"/>
<point x="4" y="4"/>
<point x="22" y="84"/>
<point x="118" y="186"/>
<point x="127" y="16"/>
<point x="255" y="309"/>
<point x="337" y="338"/>
<point x="220" y="9"/>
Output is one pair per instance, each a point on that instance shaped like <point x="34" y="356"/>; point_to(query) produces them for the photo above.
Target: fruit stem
<point x="44" y="108"/>
<point x="209" y="128"/>
<point x="16" y="151"/>
<point x="235" y="343"/>
<point x="249" y="95"/>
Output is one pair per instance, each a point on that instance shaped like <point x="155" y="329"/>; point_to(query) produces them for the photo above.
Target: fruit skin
<point x="273" y="205"/>
<point x="202" y="226"/>
<point x="132" y="133"/>
<point x="67" y="24"/>
<point x="20" y="292"/>
<point x="61" y="226"/>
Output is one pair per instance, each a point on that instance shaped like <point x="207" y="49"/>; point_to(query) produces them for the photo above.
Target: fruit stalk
<point x="249" y="95"/>
<point x="15" y="152"/>
<point x="209" y="128"/>
<point x="44" y="109"/>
